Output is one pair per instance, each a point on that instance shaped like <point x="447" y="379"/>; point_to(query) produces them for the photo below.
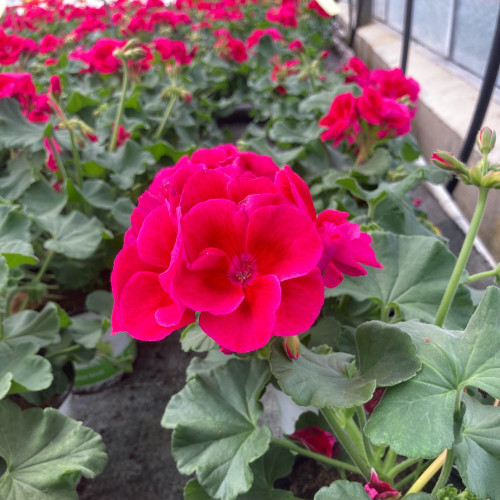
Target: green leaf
<point x="73" y="235"/>
<point x="163" y="149"/>
<point x="386" y="356"/>
<point x="130" y="160"/>
<point x="213" y="359"/>
<point x="276" y="463"/>
<point x="385" y="353"/>
<point x="41" y="328"/>
<point x="100" y="302"/>
<point x="41" y="199"/>
<point x="28" y="371"/>
<point x="122" y="210"/>
<point x="40" y="447"/>
<point x="342" y="490"/>
<point x="193" y="338"/>
<point x="378" y="164"/>
<point x="4" y="273"/>
<point x="5" y="382"/>
<point x="15" y="130"/>
<point x="416" y="418"/>
<point x="19" y="176"/>
<point x="215" y="426"/>
<point x="15" y="237"/>
<point x="282" y="133"/>
<point x="415" y="275"/>
<point x="98" y="193"/>
<point x="77" y="101"/>
<point x="319" y="380"/>
<point x="86" y="331"/>
<point x="477" y="449"/>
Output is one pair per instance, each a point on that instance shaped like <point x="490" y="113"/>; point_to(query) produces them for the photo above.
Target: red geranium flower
<point x="317" y="440"/>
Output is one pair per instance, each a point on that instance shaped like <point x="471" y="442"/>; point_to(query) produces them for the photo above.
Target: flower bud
<point x="292" y="347"/>
<point x="447" y="161"/>
<point x="55" y="86"/>
<point x="486" y="140"/>
<point x="492" y="180"/>
<point x="476" y="175"/>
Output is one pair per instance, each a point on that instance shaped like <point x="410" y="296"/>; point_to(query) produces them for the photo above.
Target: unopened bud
<point x="292" y="347"/>
<point x="447" y="161"/>
<point x="476" y="175"/>
<point x="492" y="180"/>
<point x="486" y="140"/>
<point x="55" y="86"/>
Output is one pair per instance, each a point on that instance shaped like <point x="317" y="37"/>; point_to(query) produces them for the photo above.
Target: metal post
<point x="363" y="16"/>
<point x="406" y="34"/>
<point x="487" y="87"/>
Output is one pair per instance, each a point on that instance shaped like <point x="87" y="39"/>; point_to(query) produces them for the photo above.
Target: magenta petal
<point x="249" y="327"/>
<point x="317" y="440"/>
<point x="202" y="186"/>
<point x="141" y="298"/>
<point x="301" y="302"/>
<point x="205" y="285"/>
<point x="156" y="239"/>
<point x="126" y="264"/>
<point x="295" y="190"/>
<point x="214" y="224"/>
<point x="283" y="241"/>
<point x="380" y="490"/>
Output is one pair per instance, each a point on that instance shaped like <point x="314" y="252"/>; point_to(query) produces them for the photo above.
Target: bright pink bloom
<point x="257" y="34"/>
<point x="393" y="83"/>
<point x="14" y="84"/>
<point x="285" y="15"/>
<point x="173" y="49"/>
<point x="316" y="7"/>
<point x="49" y="43"/>
<point x="55" y="86"/>
<point x="380" y="490"/>
<point x="229" y="48"/>
<point x="341" y="120"/>
<point x="123" y="136"/>
<point x="51" y="147"/>
<point x="345" y="248"/>
<point x="296" y="46"/>
<point x="356" y="71"/>
<point x="282" y="70"/>
<point x="317" y="440"/>
<point x="11" y="47"/>
<point x="101" y="56"/>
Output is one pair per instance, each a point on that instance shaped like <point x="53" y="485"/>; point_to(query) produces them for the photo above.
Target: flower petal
<point x="249" y="327"/>
<point x="283" y="241"/>
<point x="301" y="302"/>
<point x="141" y="298"/>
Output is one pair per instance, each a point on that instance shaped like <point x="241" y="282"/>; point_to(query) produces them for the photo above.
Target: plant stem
<point x="462" y="258"/>
<point x="347" y="442"/>
<point x="290" y="445"/>
<point x="76" y="158"/>
<point x="390" y="460"/>
<point x="63" y="351"/>
<point x="445" y="472"/>
<point x="166" y="114"/>
<point x="486" y="274"/>
<point x="392" y="473"/>
<point x="360" y="413"/>
<point x="427" y="474"/>
<point x="38" y="278"/>
<point x="121" y="106"/>
<point x="58" y="159"/>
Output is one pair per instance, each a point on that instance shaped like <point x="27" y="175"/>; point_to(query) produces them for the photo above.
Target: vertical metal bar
<point x="450" y="37"/>
<point x="487" y="87"/>
<point x="406" y="34"/>
<point x="358" y="18"/>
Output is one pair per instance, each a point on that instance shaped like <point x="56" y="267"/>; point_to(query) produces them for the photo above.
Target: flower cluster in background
<point x="384" y="109"/>
<point x="230" y="235"/>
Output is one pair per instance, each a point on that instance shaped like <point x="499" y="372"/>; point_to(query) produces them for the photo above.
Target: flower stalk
<point x="166" y="115"/>
<point x="121" y="107"/>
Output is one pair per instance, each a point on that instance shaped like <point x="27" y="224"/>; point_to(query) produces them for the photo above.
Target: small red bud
<point x="55" y="86"/>
<point x="292" y="347"/>
<point x="486" y="140"/>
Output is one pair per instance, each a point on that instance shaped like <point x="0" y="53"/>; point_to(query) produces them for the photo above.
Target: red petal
<point x="283" y="241"/>
<point x="156" y="239"/>
<point x="206" y="286"/>
<point x="301" y="302"/>
<point x="249" y="327"/>
<point x="141" y="298"/>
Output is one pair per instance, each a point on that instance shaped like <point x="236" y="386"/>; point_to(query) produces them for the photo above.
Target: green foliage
<point x="41" y="448"/>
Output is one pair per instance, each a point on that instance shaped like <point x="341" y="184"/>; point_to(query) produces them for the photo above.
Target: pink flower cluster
<point x="228" y="47"/>
<point x="385" y="108"/>
<point x="20" y="86"/>
<point x="232" y="236"/>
